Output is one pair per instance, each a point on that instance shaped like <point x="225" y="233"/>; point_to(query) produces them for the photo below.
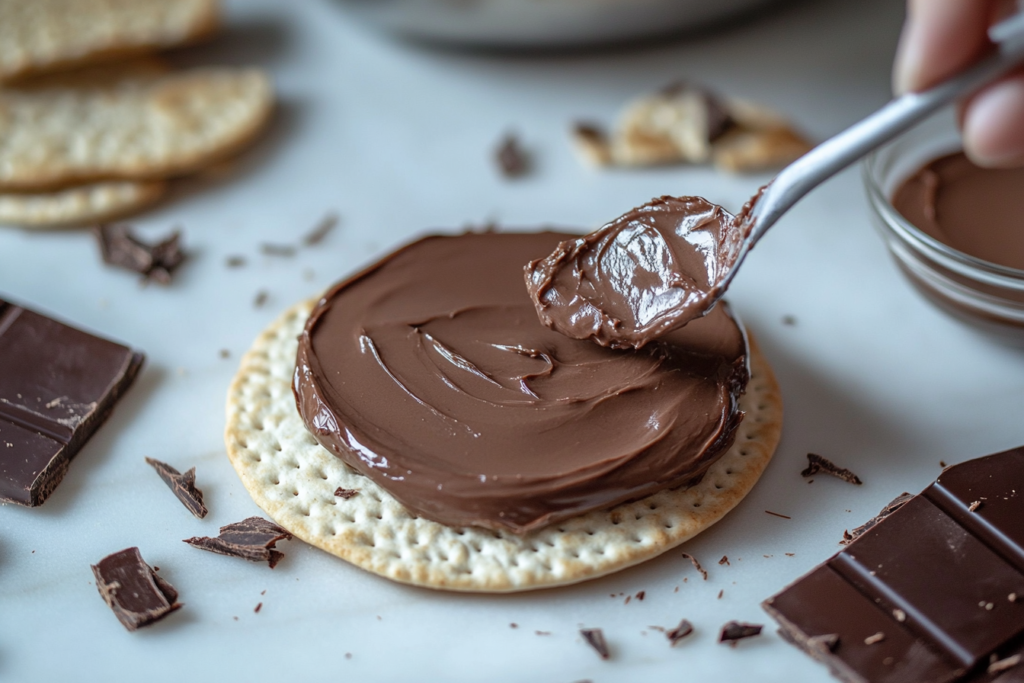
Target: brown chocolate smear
<point x="922" y="596"/>
<point x="120" y="247"/>
<point x="594" y="637"/>
<point x="251" y="539"/>
<point x="182" y="485"/>
<point x="972" y="209"/>
<point x="430" y="374"/>
<point x="57" y="386"/>
<point x="736" y="630"/>
<point x="646" y="273"/>
<point x="133" y="590"/>
<point x="817" y="463"/>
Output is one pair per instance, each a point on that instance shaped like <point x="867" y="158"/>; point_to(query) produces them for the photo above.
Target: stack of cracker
<point x="688" y="124"/>
<point x="92" y="126"/>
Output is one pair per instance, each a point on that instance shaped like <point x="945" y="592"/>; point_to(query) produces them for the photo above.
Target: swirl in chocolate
<point x="430" y="374"/>
<point x="650" y="271"/>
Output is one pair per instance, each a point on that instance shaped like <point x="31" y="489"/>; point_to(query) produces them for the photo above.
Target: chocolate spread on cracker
<point x="430" y="374"/>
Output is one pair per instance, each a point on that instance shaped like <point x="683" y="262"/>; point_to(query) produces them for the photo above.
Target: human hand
<point x="942" y="37"/>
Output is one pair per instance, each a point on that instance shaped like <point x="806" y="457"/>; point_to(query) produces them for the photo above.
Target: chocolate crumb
<point x="696" y="565"/>
<point x="974" y="506"/>
<point x="824" y="644"/>
<point x="345" y="493"/>
<point x="724" y="560"/>
<point x="942" y="463"/>
<point x="270" y="249"/>
<point x="778" y="515"/>
<point x="259" y="606"/>
<point x="224" y="353"/>
<point x="235" y="261"/>
<point x="721" y="593"/>
<point x="263" y="592"/>
<point x="251" y="539"/>
<point x="120" y="247"/>
<point x="182" y="485"/>
<point x="684" y="629"/>
<point x="132" y="589"/>
<point x="512" y="159"/>
<point x="735" y="630"/>
<point x="321" y="230"/>
<point x="790" y="554"/>
<point x="640" y="595"/>
<point x="816" y="463"/>
<point x="877" y="638"/>
<point x="235" y="618"/>
<point x="595" y="639"/>
<point x="261" y="298"/>
<point x="1004" y="664"/>
<point x="348" y="655"/>
<point x="893" y="505"/>
<point x="543" y="633"/>
<point x="513" y="625"/>
<point x="788" y="320"/>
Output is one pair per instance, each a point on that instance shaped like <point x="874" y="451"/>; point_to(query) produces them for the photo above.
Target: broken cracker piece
<point x="747" y="151"/>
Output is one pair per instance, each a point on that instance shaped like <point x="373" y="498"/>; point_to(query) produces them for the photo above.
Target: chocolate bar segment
<point x="57" y="386"/>
<point x="133" y="590"/>
<point x="927" y="593"/>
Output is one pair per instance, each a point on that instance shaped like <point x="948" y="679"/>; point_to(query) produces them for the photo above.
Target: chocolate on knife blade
<point x="57" y="386"/>
<point x="926" y="592"/>
<point x="133" y="590"/>
<point x="182" y="485"/>
<point x="251" y="539"/>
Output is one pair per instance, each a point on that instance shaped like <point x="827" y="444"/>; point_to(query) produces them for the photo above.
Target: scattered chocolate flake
<point x="696" y="565"/>
<point x="735" y="630"/>
<point x="345" y="493"/>
<point x="235" y="261"/>
<point x="788" y="320"/>
<point x="259" y="606"/>
<point x="513" y="625"/>
<point x="261" y="298"/>
<point x="182" y="485"/>
<point x="974" y="506"/>
<point x="270" y="249"/>
<point x="824" y="644"/>
<point x="640" y="595"/>
<point x="263" y="592"/>
<point x="893" y="505"/>
<point x="816" y="463"/>
<point x="251" y="539"/>
<point x="512" y="159"/>
<point x="684" y="629"/>
<point x="659" y="629"/>
<point x="348" y="655"/>
<point x="542" y="633"/>
<point x="595" y="639"/>
<point x="133" y="590"/>
<point x="235" y="618"/>
<point x="877" y="638"/>
<point x="721" y="593"/>
<point x="790" y="554"/>
<point x="628" y="598"/>
<point x="321" y="230"/>
<point x="942" y="463"/>
<point x="776" y="514"/>
<point x="224" y="353"/>
<point x="120" y="247"/>
<point x="1003" y="664"/>
<point x="724" y="560"/>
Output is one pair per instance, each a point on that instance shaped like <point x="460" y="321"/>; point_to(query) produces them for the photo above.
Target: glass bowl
<point x="985" y="295"/>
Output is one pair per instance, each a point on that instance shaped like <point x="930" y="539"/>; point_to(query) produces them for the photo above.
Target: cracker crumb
<point x="1004" y="664"/>
<point x="900" y="615"/>
<point x="974" y="506"/>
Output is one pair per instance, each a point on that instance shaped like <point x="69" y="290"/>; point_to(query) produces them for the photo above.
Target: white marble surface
<point x="397" y="139"/>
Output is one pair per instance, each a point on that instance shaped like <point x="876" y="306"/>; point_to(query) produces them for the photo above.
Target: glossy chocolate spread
<point x="430" y="374"/>
<point x="979" y="211"/>
<point x="649" y="271"/>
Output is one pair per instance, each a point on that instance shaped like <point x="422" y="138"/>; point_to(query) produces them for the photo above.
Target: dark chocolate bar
<point x="931" y="593"/>
<point x="133" y="590"/>
<point x="57" y="386"/>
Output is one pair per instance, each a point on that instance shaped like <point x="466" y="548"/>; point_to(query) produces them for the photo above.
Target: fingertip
<point x="993" y="124"/>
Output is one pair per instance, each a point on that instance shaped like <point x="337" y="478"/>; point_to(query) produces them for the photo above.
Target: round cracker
<point x="293" y="479"/>
<point x="80" y="205"/>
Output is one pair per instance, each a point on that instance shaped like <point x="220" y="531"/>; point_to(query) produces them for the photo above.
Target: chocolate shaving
<point x="735" y="630"/>
<point x="696" y="565"/>
<point x="120" y="247"/>
<point x="182" y="485"/>
<point x="776" y="514"/>
<point x="788" y="320"/>
<point x="894" y="505"/>
<point x="345" y="493"/>
<point x="261" y="298"/>
<point x="1003" y="664"/>
<point x="684" y="629"/>
<point x="595" y="639"/>
<point x="235" y="261"/>
<point x="259" y="606"/>
<point x="133" y="590"/>
<point x="816" y="463"/>
<point x="640" y="595"/>
<point x="321" y="230"/>
<point x="277" y="249"/>
<point x="251" y="539"/>
<point x="724" y="560"/>
<point x="512" y="159"/>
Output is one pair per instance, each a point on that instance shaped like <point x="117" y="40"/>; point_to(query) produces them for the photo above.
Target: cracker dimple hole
<point x="696" y="505"/>
<point x="295" y="493"/>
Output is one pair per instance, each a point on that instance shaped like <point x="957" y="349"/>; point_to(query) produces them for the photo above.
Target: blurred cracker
<point x="79" y="206"/>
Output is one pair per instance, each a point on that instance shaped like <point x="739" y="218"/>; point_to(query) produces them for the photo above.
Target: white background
<point x="397" y="138"/>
